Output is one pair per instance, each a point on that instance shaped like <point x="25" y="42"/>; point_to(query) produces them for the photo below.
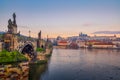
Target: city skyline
<point x="63" y="17"/>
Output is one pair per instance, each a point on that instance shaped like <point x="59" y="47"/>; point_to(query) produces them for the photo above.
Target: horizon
<point x="61" y="18"/>
<point x="91" y="35"/>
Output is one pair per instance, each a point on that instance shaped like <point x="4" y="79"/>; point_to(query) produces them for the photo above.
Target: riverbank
<point x="64" y="47"/>
<point x="42" y="57"/>
<point x="20" y="70"/>
<point x="17" y="71"/>
<point x="99" y="48"/>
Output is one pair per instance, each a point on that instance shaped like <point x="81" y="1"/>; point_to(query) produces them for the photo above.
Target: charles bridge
<point x="27" y="45"/>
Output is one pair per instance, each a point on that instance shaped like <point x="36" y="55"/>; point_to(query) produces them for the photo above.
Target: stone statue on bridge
<point x="10" y="29"/>
<point x="39" y="40"/>
<point x="14" y="18"/>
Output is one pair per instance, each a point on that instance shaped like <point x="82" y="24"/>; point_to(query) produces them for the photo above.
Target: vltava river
<point x="82" y="64"/>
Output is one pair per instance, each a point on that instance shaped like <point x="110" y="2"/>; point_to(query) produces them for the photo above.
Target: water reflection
<point x="83" y="64"/>
<point x="36" y="70"/>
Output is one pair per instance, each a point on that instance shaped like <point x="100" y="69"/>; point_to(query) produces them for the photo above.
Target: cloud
<point x="89" y="24"/>
<point x="92" y="24"/>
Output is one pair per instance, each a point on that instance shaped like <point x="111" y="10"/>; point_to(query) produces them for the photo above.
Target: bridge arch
<point x="27" y="48"/>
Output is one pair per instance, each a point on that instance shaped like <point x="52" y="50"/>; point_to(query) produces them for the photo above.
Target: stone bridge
<point x="14" y="41"/>
<point x="27" y="47"/>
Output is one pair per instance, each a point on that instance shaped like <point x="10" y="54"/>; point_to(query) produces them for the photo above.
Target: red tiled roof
<point x="103" y="44"/>
<point x="63" y="41"/>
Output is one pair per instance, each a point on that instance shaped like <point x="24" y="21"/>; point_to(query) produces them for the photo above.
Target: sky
<point x="61" y="17"/>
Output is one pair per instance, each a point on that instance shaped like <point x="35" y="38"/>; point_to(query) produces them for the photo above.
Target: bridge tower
<point x="10" y="38"/>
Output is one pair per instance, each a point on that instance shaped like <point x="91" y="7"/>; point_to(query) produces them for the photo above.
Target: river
<point x="70" y="64"/>
<point x="83" y="64"/>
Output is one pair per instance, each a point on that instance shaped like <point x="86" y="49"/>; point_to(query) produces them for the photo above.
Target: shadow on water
<point x="36" y="70"/>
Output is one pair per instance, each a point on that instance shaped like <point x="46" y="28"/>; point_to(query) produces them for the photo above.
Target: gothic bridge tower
<point x="10" y="38"/>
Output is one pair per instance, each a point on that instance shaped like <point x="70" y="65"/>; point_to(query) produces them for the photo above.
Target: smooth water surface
<point x="83" y="64"/>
